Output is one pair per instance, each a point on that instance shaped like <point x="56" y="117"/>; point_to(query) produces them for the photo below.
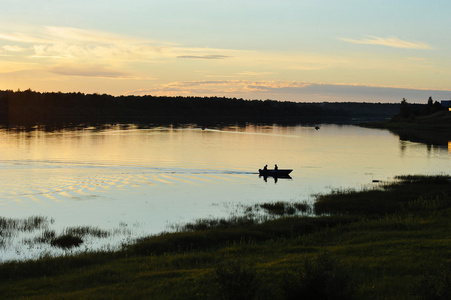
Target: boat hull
<point x="275" y="173"/>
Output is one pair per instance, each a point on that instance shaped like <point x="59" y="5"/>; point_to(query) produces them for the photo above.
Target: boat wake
<point x="60" y="183"/>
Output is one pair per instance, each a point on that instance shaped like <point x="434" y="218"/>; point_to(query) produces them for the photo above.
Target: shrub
<point x="322" y="278"/>
<point x="66" y="241"/>
<point x="236" y="280"/>
<point x="433" y="287"/>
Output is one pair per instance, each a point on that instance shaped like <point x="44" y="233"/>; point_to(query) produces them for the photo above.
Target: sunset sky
<point x="297" y="50"/>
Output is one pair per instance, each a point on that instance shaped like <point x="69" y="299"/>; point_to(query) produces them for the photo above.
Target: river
<point x="140" y="181"/>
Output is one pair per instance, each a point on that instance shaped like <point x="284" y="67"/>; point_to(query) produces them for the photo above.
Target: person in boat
<point x="276" y="168"/>
<point x="265" y="168"/>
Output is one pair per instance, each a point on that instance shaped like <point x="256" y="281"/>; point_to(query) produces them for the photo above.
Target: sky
<point x="288" y="50"/>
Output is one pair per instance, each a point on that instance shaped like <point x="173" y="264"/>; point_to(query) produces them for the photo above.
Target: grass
<point x="392" y="242"/>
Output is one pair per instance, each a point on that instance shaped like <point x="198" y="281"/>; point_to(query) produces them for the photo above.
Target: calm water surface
<point x="144" y="180"/>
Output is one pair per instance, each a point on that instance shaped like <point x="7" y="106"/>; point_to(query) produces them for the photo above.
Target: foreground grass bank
<point x="390" y="242"/>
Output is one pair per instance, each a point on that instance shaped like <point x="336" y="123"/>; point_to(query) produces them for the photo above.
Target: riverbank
<point x="432" y="129"/>
<point x="439" y="121"/>
<point x="388" y="242"/>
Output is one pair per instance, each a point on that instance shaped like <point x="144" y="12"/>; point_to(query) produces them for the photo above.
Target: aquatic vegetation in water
<point x="252" y="215"/>
<point x="66" y="241"/>
<point x="10" y="228"/>
<point x="33" y="237"/>
<point x="221" y="223"/>
<point x="282" y="208"/>
<point x="9" y="225"/>
<point x="86" y="230"/>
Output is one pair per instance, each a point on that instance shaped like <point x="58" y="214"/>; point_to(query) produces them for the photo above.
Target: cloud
<point x="53" y="44"/>
<point x="294" y="91"/>
<point x="21" y="38"/>
<point x="89" y="71"/>
<point x="250" y="73"/>
<point x="416" y="58"/>
<point x="82" y="45"/>
<point x="9" y="48"/>
<point x="389" y="42"/>
<point x="212" y="56"/>
<point x="230" y="88"/>
<point x="54" y="34"/>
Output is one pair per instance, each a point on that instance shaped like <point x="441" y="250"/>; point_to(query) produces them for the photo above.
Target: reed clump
<point x="282" y="208"/>
<point x="66" y="241"/>
<point x="9" y="225"/>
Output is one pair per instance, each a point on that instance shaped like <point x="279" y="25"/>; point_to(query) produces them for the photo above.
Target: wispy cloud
<point x="293" y="91"/>
<point x="220" y="87"/>
<point x="416" y="58"/>
<point x="79" y="44"/>
<point x="389" y="42"/>
<point x="211" y="56"/>
<point x="9" y="48"/>
<point x="251" y="73"/>
<point x="20" y="37"/>
<point x="89" y="71"/>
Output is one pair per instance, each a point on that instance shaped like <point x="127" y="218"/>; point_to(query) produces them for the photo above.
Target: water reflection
<point x="429" y="137"/>
<point x="276" y="178"/>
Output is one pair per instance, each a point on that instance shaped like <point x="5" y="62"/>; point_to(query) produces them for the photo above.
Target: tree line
<point x="407" y="111"/>
<point x="25" y="107"/>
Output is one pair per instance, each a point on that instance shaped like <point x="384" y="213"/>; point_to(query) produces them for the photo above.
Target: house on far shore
<point x="446" y="104"/>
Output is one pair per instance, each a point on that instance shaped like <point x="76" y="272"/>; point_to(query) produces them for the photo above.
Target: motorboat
<point x="275" y="172"/>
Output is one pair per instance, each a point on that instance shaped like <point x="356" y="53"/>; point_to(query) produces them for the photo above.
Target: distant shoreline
<point x="29" y="107"/>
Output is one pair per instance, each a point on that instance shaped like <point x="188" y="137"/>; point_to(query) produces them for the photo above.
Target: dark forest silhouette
<point x="30" y="107"/>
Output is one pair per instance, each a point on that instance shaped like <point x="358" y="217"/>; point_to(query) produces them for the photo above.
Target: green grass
<point x="392" y="242"/>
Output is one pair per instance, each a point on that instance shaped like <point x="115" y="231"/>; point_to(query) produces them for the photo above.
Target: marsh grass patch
<point x="66" y="241"/>
<point x="10" y="228"/>
<point x="282" y="208"/>
<point x="73" y="236"/>
<point x="35" y="237"/>
<point x="218" y="223"/>
<point x="9" y="225"/>
<point x="82" y="231"/>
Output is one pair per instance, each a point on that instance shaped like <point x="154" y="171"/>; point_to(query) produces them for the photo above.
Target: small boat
<point x="274" y="173"/>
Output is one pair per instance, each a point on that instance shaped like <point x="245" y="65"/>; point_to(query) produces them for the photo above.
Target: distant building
<point x="446" y="104"/>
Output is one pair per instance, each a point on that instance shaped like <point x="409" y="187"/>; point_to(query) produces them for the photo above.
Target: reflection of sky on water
<point x="152" y="178"/>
